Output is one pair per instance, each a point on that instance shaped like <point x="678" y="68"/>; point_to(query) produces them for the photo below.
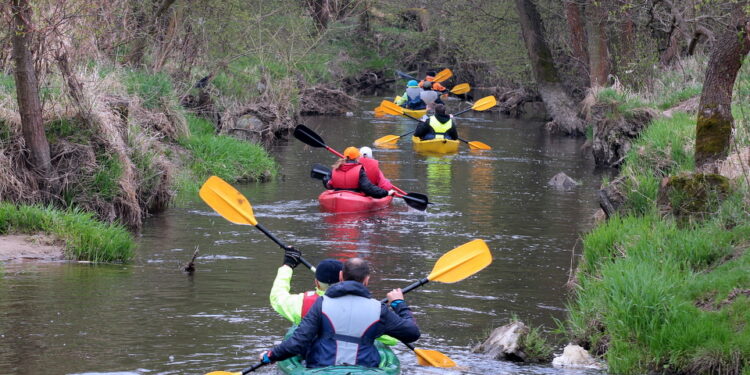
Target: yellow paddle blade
<point x="476" y="145"/>
<point x="223" y="373"/>
<point x="227" y="201"/>
<point x="459" y="89"/>
<point x="485" y="103"/>
<point x="443" y="75"/>
<point x="390" y="138"/>
<point x="379" y="112"/>
<point x="433" y="358"/>
<point x="461" y="262"/>
<point x="391" y="108"/>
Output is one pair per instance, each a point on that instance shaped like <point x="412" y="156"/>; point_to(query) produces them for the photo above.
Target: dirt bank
<point x="14" y="248"/>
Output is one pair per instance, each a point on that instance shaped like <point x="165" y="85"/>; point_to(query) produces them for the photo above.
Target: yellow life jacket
<point x="439" y="127"/>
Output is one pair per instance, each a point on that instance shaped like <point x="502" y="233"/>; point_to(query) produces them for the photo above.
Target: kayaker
<point x="437" y="126"/>
<point x="372" y="168"/>
<point x="294" y="306"/>
<point x="340" y="328"/>
<point x="430" y="77"/>
<point x="411" y="97"/>
<point x="429" y="96"/>
<point x="349" y="174"/>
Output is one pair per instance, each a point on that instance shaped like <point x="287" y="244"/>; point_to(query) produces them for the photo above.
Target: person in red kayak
<point x="349" y="174"/>
<point x="372" y="168"/>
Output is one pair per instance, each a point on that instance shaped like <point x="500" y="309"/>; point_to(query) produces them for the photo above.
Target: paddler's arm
<point x="302" y="337"/>
<point x="399" y="322"/>
<point x="287" y="305"/>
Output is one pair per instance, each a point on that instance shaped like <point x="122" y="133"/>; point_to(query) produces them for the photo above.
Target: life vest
<point x="307" y="301"/>
<point x="372" y="169"/>
<point x="436" y="86"/>
<point x="350" y="317"/>
<point x="345" y="177"/>
<point x="439" y="127"/>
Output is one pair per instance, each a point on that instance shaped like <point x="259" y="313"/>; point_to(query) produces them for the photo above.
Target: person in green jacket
<point x="294" y="306"/>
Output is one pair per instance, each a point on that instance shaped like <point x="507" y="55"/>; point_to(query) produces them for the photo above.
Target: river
<point x="149" y="317"/>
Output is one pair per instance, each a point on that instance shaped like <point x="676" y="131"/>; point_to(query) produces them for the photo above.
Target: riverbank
<point x="77" y="234"/>
<point x="663" y="287"/>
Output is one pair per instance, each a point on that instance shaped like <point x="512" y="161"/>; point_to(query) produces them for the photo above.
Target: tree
<point x="27" y="89"/>
<point x="599" y="64"/>
<point x="578" y="40"/>
<point x="715" y="122"/>
<point x="559" y="105"/>
<point x="148" y="19"/>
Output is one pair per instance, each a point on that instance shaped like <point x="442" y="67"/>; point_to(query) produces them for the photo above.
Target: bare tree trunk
<point x="629" y="36"/>
<point x="147" y="29"/>
<point x="599" y="64"/>
<point x="27" y="89"/>
<point x="559" y="105"/>
<point x="577" y="32"/>
<point x="715" y="121"/>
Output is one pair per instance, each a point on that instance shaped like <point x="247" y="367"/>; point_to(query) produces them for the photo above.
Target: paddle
<point x="440" y="77"/>
<point x="233" y="206"/>
<point x="243" y="372"/>
<point x="392" y="108"/>
<point x="414" y="200"/>
<point x="310" y="138"/>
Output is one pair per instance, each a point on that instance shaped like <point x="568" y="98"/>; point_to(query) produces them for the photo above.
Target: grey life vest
<point x="350" y="317"/>
<point x="428" y="96"/>
<point x="413" y="93"/>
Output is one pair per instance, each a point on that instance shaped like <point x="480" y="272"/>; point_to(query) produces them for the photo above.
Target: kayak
<point x="389" y="364"/>
<point x="435" y="146"/>
<point x="350" y="201"/>
<point x="417" y="113"/>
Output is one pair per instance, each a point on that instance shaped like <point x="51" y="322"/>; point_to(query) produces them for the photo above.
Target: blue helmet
<point x="412" y="83"/>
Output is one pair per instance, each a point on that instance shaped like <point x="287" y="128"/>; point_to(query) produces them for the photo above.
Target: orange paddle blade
<point x="443" y="75"/>
<point x="390" y="138"/>
<point x="227" y="201"/>
<point x="485" y="103"/>
<point x="433" y="358"/>
<point x="379" y="112"/>
<point x="459" y="89"/>
<point x="476" y="145"/>
<point x="461" y="262"/>
<point x="391" y="108"/>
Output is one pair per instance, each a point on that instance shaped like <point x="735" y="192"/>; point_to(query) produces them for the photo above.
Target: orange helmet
<point x="351" y="153"/>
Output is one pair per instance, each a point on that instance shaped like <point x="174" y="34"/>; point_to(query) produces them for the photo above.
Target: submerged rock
<point x="504" y="342"/>
<point x="563" y="182"/>
<point x="574" y="356"/>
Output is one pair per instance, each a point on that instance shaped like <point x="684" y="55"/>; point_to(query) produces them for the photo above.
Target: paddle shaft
<point x="283" y="245"/>
<point x="255" y="367"/>
<point x="409" y="288"/>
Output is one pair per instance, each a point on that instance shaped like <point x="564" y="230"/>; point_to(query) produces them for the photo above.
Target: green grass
<point x="85" y="237"/>
<point x="150" y="87"/>
<point x="654" y="290"/>
<point x="229" y="158"/>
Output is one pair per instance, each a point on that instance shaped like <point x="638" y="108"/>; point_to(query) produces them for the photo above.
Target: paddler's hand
<point x="391" y="192"/>
<point x="395" y="297"/>
<point x="291" y="257"/>
<point x="263" y="357"/>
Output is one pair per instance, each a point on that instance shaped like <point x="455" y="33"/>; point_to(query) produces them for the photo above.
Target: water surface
<point x="148" y="317"/>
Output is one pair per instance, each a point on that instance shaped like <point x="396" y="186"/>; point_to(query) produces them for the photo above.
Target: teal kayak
<point x="389" y="364"/>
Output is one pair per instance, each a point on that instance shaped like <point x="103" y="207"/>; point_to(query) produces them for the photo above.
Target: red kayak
<point x="349" y="201"/>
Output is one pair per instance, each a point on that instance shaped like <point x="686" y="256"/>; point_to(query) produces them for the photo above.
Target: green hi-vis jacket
<point x="290" y="305"/>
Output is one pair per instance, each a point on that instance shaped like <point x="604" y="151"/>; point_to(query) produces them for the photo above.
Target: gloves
<point x="291" y="257"/>
<point x="263" y="357"/>
<point x="391" y="192"/>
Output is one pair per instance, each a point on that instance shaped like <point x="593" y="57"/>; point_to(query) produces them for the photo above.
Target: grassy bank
<point x="660" y="295"/>
<point x="85" y="238"/>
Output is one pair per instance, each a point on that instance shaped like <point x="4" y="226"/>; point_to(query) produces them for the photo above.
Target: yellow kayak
<point x="435" y="146"/>
<point x="417" y="113"/>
